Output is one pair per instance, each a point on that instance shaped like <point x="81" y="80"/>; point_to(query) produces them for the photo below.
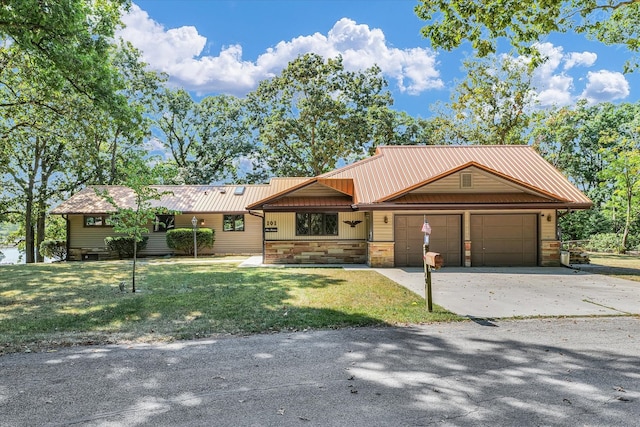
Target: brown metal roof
<point x="395" y="169"/>
<point x="341" y="185"/>
<point x="182" y="198"/>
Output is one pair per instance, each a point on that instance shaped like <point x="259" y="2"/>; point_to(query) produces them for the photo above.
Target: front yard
<point x="622" y="266"/>
<point x="45" y="306"/>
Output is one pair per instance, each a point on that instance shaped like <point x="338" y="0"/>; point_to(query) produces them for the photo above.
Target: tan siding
<point x="237" y="242"/>
<point x="87" y="237"/>
<point x="316" y="190"/>
<point x="382" y="232"/>
<point x="482" y="182"/>
<point x="285" y="222"/>
<point x="548" y="228"/>
<point x="248" y="241"/>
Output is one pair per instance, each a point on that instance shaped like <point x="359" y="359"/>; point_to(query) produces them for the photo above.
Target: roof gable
<point x="494" y="182"/>
<point x="395" y="170"/>
<point x="315" y="189"/>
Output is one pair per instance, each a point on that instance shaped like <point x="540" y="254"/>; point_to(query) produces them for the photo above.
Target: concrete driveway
<point x="511" y="292"/>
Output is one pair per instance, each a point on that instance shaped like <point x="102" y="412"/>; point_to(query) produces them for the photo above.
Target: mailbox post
<point x="431" y="260"/>
<point x="426" y="229"/>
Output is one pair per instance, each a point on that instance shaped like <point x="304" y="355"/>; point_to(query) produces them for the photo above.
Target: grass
<point x="44" y="306"/>
<point x="623" y="266"/>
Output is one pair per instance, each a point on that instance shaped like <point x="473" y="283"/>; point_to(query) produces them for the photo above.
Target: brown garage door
<point x="446" y="238"/>
<point x="504" y="240"/>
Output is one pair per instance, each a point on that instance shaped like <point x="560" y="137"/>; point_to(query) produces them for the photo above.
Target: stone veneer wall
<point x="381" y="254"/>
<point x="467" y="253"/>
<point x="318" y="252"/>
<point x="550" y="250"/>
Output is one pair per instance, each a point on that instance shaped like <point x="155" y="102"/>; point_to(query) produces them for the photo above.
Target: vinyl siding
<point x="236" y="242"/>
<point x="481" y="181"/>
<point x="284" y="222"/>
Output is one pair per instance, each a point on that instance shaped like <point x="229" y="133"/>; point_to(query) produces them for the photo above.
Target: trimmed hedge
<point x="54" y="249"/>
<point x="181" y="239"/>
<point x="123" y="245"/>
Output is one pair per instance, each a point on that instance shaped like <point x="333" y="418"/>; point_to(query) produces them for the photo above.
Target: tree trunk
<point x="28" y="230"/>
<point x="40" y="230"/>
<point x="133" y="273"/>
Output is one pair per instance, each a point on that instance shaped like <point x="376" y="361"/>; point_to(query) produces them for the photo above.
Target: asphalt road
<point x="534" y="372"/>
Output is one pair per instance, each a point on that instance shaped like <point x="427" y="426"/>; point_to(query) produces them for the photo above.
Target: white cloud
<point x="178" y="52"/>
<point x="586" y="59"/>
<point x="556" y="86"/>
<point x="605" y="86"/>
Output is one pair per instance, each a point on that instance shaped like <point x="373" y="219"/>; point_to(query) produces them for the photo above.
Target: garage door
<point x="446" y="238"/>
<point x="504" y="240"/>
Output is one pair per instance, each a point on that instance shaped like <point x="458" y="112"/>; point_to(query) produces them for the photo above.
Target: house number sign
<point x="270" y="227"/>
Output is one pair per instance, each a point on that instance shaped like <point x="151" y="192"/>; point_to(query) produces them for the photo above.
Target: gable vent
<point x="465" y="180"/>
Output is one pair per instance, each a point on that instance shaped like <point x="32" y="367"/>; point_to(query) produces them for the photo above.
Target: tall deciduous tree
<point x="581" y="142"/>
<point x="54" y="139"/>
<point x="315" y="113"/>
<point x="205" y="140"/>
<point x="492" y="105"/>
<point x="622" y="173"/>
<point x="524" y="22"/>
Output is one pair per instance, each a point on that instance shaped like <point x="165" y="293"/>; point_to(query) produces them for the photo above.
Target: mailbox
<point x="433" y="260"/>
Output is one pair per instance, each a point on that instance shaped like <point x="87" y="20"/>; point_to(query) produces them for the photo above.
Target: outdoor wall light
<point x="386" y="219"/>
<point x="202" y="222"/>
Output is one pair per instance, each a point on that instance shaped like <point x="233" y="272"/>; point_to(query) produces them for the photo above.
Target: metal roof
<point x="396" y="169"/>
<point x="182" y="198"/>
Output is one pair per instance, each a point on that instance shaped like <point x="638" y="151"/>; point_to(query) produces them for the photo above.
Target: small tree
<point x="133" y="220"/>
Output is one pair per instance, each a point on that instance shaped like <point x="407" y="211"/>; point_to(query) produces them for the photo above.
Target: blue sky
<point x="212" y="47"/>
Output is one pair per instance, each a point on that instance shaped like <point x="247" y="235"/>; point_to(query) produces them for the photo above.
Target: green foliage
<point x="181" y="239"/>
<point x="491" y="106"/>
<point x="206" y="139"/>
<point x="524" y="22"/>
<point x="581" y="225"/>
<point x="69" y="39"/>
<point x="54" y="249"/>
<point x="123" y="245"/>
<point x="605" y="242"/>
<point x="315" y="114"/>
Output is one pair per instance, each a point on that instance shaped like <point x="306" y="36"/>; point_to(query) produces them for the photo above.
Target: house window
<point x="233" y="222"/>
<point x="316" y="224"/>
<point x="96" y="221"/>
<point x="164" y="223"/>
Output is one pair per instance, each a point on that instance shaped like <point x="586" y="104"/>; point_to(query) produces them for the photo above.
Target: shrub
<point x="605" y="242"/>
<point x="123" y="245"/>
<point x="54" y="249"/>
<point x="181" y="239"/>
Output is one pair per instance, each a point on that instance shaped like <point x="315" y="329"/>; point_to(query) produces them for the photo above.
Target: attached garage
<point x="509" y="240"/>
<point x="446" y="238"/>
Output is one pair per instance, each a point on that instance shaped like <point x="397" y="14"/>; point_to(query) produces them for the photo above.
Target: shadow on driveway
<point x="488" y="293"/>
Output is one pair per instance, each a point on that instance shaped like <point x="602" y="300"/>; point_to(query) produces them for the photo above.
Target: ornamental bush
<point x="54" y="249"/>
<point x="181" y="239"/>
<point x="123" y="245"/>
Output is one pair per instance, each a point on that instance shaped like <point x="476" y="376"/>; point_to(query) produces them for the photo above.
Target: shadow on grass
<point x="80" y="302"/>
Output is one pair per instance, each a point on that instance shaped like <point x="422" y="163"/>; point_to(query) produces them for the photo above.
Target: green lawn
<point x="48" y="305"/>
<point x="623" y="266"/>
